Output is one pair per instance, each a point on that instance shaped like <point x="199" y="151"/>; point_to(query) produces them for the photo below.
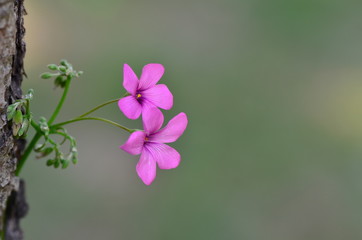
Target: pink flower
<point x="150" y="143"/>
<point x="144" y="93"/>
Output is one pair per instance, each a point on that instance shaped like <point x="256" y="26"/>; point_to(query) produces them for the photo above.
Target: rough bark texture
<point x="12" y="50"/>
<point x="17" y="209"/>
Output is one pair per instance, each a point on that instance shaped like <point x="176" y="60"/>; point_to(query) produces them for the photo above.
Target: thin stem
<point x="39" y="133"/>
<point x="92" y="118"/>
<point x="27" y="107"/>
<point x="27" y="152"/>
<point x="60" y="104"/>
<point x="102" y="105"/>
<point x="98" y="107"/>
<point x="35" y="126"/>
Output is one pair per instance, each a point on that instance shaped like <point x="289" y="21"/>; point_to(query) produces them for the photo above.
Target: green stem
<point x="102" y="105"/>
<point x="92" y="118"/>
<point x="35" y="126"/>
<point x="27" y="152"/>
<point x="98" y="107"/>
<point x="38" y="134"/>
<point x="27" y="107"/>
<point x="60" y="104"/>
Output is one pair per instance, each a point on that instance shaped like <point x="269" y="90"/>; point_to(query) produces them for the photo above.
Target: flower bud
<point x="64" y="63"/>
<point x="29" y="94"/>
<point x="53" y="67"/>
<point x="74" y="160"/>
<point x="44" y="126"/>
<point x="65" y="163"/>
<point x="46" y="75"/>
<point x="62" y="69"/>
<point x="46" y="151"/>
<point x="50" y="162"/>
<point x="78" y="74"/>
<point x="59" y="82"/>
<point x="56" y="163"/>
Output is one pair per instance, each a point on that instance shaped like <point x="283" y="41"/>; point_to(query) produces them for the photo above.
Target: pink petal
<point x="130" y="80"/>
<point x="151" y="74"/>
<point x="159" y="95"/>
<point x="130" y="107"/>
<point x="174" y="129"/>
<point x="165" y="156"/>
<point x="134" y="144"/>
<point x="146" y="167"/>
<point x="152" y="118"/>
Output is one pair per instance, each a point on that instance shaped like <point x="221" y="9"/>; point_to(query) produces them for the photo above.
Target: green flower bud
<point x="74" y="155"/>
<point x="44" y="129"/>
<point x="64" y="63"/>
<point x="46" y="75"/>
<point x="56" y="163"/>
<point x="44" y="126"/>
<point x="62" y="69"/>
<point x="30" y="94"/>
<point x="50" y="162"/>
<point x="65" y="163"/>
<point x="74" y="160"/>
<point x="42" y="120"/>
<point x="53" y="67"/>
<point x="46" y="151"/>
<point x="58" y="81"/>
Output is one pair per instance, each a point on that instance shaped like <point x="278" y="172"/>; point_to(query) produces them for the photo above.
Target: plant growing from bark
<point x="144" y="96"/>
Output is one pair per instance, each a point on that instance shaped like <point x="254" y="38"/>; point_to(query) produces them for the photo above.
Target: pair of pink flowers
<point x="146" y="96"/>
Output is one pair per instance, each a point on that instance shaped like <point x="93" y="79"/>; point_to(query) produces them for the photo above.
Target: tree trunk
<point x="12" y="50"/>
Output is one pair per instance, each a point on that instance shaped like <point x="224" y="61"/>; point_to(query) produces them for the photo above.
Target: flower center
<point x="146" y="139"/>
<point x="138" y="95"/>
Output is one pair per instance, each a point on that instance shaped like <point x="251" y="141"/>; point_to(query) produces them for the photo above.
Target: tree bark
<point x="12" y="51"/>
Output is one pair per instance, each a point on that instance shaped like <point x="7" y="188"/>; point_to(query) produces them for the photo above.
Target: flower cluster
<point x="145" y="97"/>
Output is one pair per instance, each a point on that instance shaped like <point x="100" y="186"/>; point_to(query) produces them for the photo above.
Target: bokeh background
<point x="273" y="91"/>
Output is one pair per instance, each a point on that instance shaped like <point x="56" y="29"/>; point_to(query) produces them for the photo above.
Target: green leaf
<point x="18" y="117"/>
<point x="11" y="112"/>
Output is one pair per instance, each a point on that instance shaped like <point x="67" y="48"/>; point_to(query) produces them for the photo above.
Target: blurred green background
<point x="273" y="92"/>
